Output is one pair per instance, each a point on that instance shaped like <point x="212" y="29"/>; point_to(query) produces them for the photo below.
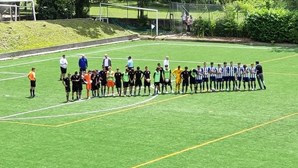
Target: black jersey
<point x="146" y="74"/>
<point x="118" y="76"/>
<point x="185" y="75"/>
<point x="103" y="75"/>
<point x="138" y="74"/>
<point x="67" y="82"/>
<point x="131" y="75"/>
<point x="75" y="80"/>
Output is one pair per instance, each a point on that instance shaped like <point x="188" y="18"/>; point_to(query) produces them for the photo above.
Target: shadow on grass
<point x="87" y="27"/>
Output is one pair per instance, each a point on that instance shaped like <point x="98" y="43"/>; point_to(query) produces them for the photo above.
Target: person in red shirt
<point x="88" y="81"/>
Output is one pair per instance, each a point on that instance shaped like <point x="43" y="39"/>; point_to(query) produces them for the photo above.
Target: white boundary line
<point x="16" y="73"/>
<point x="68" y="49"/>
<point x="5" y="79"/>
<point x="79" y="113"/>
<point x="176" y="44"/>
<point x="75" y="55"/>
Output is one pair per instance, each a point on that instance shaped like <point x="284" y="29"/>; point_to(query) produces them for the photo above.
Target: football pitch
<point x="218" y="129"/>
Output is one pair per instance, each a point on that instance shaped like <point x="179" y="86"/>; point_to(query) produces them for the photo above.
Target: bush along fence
<point x="265" y="25"/>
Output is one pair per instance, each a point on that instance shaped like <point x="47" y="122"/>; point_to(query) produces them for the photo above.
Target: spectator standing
<point x="63" y="67"/>
<point x="83" y="63"/>
<point x="166" y="62"/>
<point x="106" y="62"/>
<point x="130" y="63"/>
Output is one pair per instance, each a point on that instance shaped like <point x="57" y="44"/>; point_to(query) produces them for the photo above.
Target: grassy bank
<point x="25" y="35"/>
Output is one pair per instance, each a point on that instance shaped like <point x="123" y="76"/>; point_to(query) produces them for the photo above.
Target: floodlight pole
<point x="33" y="10"/>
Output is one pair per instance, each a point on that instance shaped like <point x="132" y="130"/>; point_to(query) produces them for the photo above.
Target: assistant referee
<point x="31" y="77"/>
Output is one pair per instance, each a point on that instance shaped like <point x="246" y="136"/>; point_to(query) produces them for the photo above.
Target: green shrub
<point x="272" y="26"/>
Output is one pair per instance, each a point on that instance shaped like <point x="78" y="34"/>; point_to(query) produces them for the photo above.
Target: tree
<point x="82" y="8"/>
<point x="58" y="9"/>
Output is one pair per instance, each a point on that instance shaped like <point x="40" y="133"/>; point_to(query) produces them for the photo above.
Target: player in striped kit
<point x="212" y="72"/>
<point x="205" y="76"/>
<point x="239" y="73"/>
<point x="199" y="78"/>
<point x="232" y="75"/>
<point x="253" y="76"/>
<point x="225" y="75"/>
<point x="246" y="77"/>
<point x="219" y="80"/>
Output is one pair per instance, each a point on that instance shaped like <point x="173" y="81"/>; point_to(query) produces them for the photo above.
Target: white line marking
<point x="67" y="49"/>
<point x="5" y="79"/>
<point x="80" y="113"/>
<point x="176" y="44"/>
<point x="76" y="55"/>
<point x="17" y="73"/>
<point x="36" y="110"/>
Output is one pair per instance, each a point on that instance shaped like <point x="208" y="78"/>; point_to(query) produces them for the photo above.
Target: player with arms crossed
<point x="125" y="79"/>
<point x="205" y="76"/>
<point x="199" y="78"/>
<point x="156" y="77"/>
<point x="185" y="80"/>
<point x="88" y="82"/>
<point x="239" y="73"/>
<point x="192" y="80"/>
<point x="246" y="77"/>
<point x="110" y="80"/>
<point x="212" y="72"/>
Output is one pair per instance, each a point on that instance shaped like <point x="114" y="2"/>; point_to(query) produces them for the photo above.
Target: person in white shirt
<point x="166" y="62"/>
<point x="106" y="62"/>
<point x="63" y="67"/>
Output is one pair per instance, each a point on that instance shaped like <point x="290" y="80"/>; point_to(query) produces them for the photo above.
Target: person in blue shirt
<point x="83" y="63"/>
<point x="130" y="63"/>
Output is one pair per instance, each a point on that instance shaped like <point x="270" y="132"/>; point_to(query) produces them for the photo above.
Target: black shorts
<point x="147" y="83"/>
<point x="192" y="81"/>
<point x="252" y="79"/>
<point x="239" y="78"/>
<point x="83" y="69"/>
<point x="103" y="83"/>
<point x="94" y="86"/>
<point x="33" y="83"/>
<point x="212" y="78"/>
<point x="219" y="79"/>
<point x="185" y="83"/>
<point x="199" y="81"/>
<point x="118" y="84"/>
<point x="75" y="88"/>
<point x="63" y="70"/>
<point x="205" y="79"/>
<point x="125" y="84"/>
<point x="67" y="89"/>
<point x="80" y="87"/>
<point x="245" y="79"/>
<point x="138" y="83"/>
<point x="131" y="83"/>
<point x="226" y="78"/>
<point x="232" y="78"/>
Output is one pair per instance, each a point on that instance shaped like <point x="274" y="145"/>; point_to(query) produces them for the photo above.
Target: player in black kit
<point x="146" y="75"/>
<point x="66" y="83"/>
<point x="118" y="76"/>
<point x="138" y="80"/>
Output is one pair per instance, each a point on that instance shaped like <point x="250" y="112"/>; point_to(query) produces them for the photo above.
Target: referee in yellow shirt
<point x="31" y="77"/>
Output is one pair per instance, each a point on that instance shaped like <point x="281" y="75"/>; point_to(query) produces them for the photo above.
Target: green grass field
<point x="223" y="129"/>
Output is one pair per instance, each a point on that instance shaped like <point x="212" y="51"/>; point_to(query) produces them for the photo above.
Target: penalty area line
<point x="215" y="140"/>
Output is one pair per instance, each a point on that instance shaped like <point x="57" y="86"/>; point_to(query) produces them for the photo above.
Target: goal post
<point x="101" y="5"/>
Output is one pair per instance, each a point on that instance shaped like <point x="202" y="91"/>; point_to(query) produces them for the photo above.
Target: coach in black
<point x="260" y="76"/>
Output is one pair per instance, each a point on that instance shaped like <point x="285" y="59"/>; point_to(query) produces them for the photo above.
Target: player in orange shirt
<point x="177" y="74"/>
<point x="88" y="81"/>
<point x="31" y="77"/>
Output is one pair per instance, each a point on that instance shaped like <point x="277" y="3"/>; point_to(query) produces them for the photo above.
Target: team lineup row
<point x="200" y="79"/>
